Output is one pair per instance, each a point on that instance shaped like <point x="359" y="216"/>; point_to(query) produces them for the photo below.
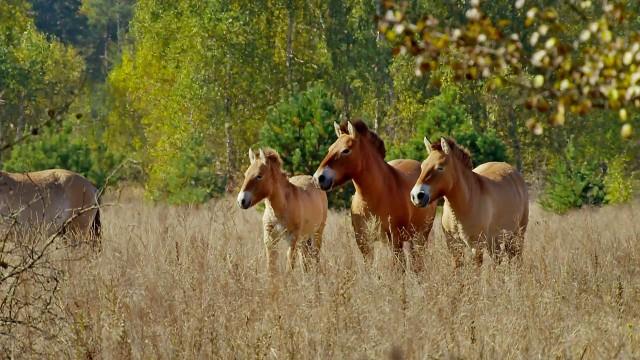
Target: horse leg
<point x="399" y="245"/>
<point x="317" y="243"/>
<point x="310" y="254"/>
<point x="478" y="256"/>
<point x="311" y="250"/>
<point x="516" y="251"/>
<point x="496" y="245"/>
<point x="418" y="249"/>
<point x="417" y="257"/>
<point x="513" y="247"/>
<point x="359" y="226"/>
<point x="270" y="245"/>
<point x="307" y="254"/>
<point x="272" y="260"/>
<point x="456" y="249"/>
<point x="365" y="248"/>
<point x="516" y="254"/>
<point x="291" y="252"/>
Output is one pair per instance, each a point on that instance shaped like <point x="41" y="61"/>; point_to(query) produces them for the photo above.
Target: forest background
<point x="171" y="94"/>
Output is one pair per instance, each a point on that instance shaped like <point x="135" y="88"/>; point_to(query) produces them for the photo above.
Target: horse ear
<point x="352" y="129"/>
<point x="252" y="156"/>
<point x="336" y="127"/>
<point x="263" y="157"/>
<point x="427" y="144"/>
<point x="445" y="146"/>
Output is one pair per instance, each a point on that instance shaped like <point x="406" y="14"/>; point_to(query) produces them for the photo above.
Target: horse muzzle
<point x="420" y="195"/>
<point x="245" y="199"/>
<point x="324" y="178"/>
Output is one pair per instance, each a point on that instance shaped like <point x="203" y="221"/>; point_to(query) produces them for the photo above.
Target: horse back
<point x="309" y="195"/>
<point x="76" y="188"/>
<point x="504" y="187"/>
<point x="304" y="182"/>
<point x="501" y="177"/>
<point x="409" y="169"/>
<point x="50" y="196"/>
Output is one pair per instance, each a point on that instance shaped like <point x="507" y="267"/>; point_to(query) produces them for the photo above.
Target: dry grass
<point x="190" y="283"/>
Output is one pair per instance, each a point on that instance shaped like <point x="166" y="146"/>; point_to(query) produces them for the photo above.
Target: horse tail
<point x="96" y="226"/>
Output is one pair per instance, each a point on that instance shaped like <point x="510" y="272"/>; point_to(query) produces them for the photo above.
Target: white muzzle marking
<point x="420" y="195"/>
<point x="325" y="177"/>
<point x="244" y="199"/>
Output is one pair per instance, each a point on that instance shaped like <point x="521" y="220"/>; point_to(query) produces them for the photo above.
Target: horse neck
<point x="464" y="190"/>
<point x="280" y="191"/>
<point x="378" y="174"/>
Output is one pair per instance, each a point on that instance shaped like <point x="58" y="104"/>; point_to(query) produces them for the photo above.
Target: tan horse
<point x="51" y="198"/>
<point x="295" y="208"/>
<point x="485" y="208"/>
<point x="382" y="190"/>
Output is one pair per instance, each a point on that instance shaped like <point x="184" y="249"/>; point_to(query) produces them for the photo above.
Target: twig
<point x="57" y="117"/>
<point x="112" y="174"/>
<point x="59" y="232"/>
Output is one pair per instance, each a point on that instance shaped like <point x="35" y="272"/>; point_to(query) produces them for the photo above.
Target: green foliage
<point x="61" y="19"/>
<point x="190" y="93"/>
<point x="360" y="60"/>
<point x="587" y="164"/>
<point x="301" y="130"/>
<point x="94" y="27"/>
<point x="64" y="148"/>
<point x="37" y="74"/>
<point x="185" y="176"/>
<point x="618" y="183"/>
<point x="447" y="115"/>
<point x="190" y="85"/>
<point x="108" y="23"/>
<point x="572" y="183"/>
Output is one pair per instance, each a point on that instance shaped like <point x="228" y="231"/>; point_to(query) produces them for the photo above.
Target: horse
<point x="382" y="191"/>
<point x="484" y="208"/>
<point x="60" y="200"/>
<point x="295" y="208"/>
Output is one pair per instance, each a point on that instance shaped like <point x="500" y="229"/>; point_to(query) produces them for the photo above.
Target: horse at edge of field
<point x="60" y="200"/>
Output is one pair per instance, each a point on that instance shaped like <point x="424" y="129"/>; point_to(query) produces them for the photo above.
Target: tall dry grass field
<point x="191" y="283"/>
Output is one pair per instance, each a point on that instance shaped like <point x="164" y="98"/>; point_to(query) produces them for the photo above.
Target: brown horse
<point x="382" y="190"/>
<point x="52" y="198"/>
<point x="484" y="208"/>
<point x="295" y="208"/>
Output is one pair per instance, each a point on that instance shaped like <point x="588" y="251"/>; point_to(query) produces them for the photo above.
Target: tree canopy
<point x="585" y="59"/>
<point x="180" y="90"/>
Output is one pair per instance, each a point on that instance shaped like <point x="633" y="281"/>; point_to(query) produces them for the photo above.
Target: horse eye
<point x="346" y="151"/>
<point x="440" y="168"/>
<point x="259" y="177"/>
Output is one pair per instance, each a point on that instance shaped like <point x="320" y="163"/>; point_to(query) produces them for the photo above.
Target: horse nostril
<point x="421" y="195"/>
<point x="321" y="178"/>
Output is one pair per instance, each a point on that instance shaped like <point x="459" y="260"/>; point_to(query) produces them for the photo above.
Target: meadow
<point x="168" y="96"/>
<point x="190" y="282"/>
